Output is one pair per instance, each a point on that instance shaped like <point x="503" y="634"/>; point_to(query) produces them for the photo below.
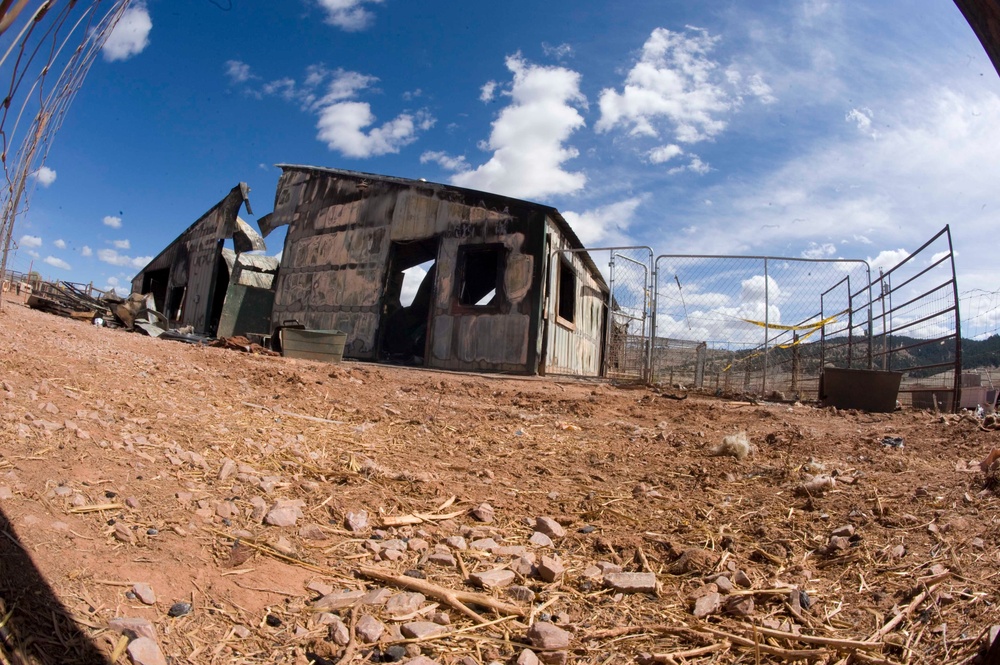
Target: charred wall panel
<point x="332" y="269"/>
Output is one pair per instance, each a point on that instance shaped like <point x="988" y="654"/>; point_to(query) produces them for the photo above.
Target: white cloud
<point x="121" y="244"/>
<point x="130" y="36"/>
<point x="863" y="119"/>
<point x="44" y="176"/>
<point x="116" y="259"/>
<point x="341" y="126"/>
<point x="886" y="259"/>
<point x="488" y="91"/>
<point x="56" y="263"/>
<point x="673" y="84"/>
<point x="665" y="153"/>
<point x="529" y="134"/>
<point x="238" y="72"/>
<point x="695" y="165"/>
<point x="824" y="251"/>
<point x="60" y="243"/>
<point x="349" y="15"/>
<point x="560" y="52"/>
<point x="86" y="251"/>
<point x="344" y="122"/>
<point x="30" y="241"/>
<point x="445" y="161"/>
<point x="606" y="225"/>
<point x="112" y="221"/>
<point x="33" y="254"/>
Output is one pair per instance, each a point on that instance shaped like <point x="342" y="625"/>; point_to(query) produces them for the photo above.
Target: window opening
<point x="480" y="276"/>
<point x="567" y="292"/>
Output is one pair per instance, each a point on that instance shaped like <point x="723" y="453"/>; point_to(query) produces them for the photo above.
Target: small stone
<point x="124" y="534"/>
<point x="376" y="597"/>
<point x="707" y="604"/>
<point x="631" y="582"/>
<point x="356" y="521"/>
<point x="523" y="566"/>
<point x="418" y="544"/>
<point x="179" y="609"/>
<point x="144" y="593"/>
<point x="394" y="544"/>
<point x="694" y="560"/>
<point x="6" y="492"/>
<point x="741" y="606"/>
<point x="521" y="594"/>
<point x="509" y="550"/>
<point x="312" y="532"/>
<point x="283" y="513"/>
<point x="144" y="651"/>
<point x="548" y="636"/>
<point x="724" y="584"/>
<point x="241" y="632"/>
<point x="845" y="531"/>
<point x="441" y="618"/>
<point x="550" y="569"/>
<point x="419" y="629"/>
<point x="493" y="579"/>
<point x="132" y="502"/>
<point x="898" y="552"/>
<point x="369" y="629"/>
<point x="228" y="469"/>
<point x="456" y="543"/>
<point x="540" y="539"/>
<point x="977" y="543"/>
<point x="133" y="627"/>
<point x="420" y="660"/>
<point x="741" y="580"/>
<point x="259" y="509"/>
<point x="838" y="543"/>
<point x="606" y="567"/>
<point x="394" y="654"/>
<point x="444" y="559"/>
<point x="549" y="527"/>
<point x="483" y="512"/>
<point x="527" y="657"/>
<point x="483" y="544"/>
<point x="339" y="600"/>
<point x="404" y="603"/>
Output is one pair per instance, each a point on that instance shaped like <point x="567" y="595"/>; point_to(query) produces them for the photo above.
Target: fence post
<point x="767" y="322"/>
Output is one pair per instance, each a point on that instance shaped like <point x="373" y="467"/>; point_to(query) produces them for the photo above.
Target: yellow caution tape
<point x="808" y="326"/>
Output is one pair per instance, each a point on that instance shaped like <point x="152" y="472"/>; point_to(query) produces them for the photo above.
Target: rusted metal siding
<point x="576" y="349"/>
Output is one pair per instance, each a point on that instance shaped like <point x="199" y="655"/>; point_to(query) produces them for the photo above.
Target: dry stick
<point x="669" y="658"/>
<point x="790" y="654"/>
<point x="263" y="549"/>
<point x="282" y="412"/>
<point x="816" y="639"/>
<point x="893" y="622"/>
<point x="456" y="599"/>
<point x="681" y="631"/>
<point x="352" y="643"/>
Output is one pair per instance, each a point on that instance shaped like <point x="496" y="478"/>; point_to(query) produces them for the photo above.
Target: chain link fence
<point x="757" y="325"/>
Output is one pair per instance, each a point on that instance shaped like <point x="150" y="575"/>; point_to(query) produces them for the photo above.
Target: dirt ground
<point x="133" y="468"/>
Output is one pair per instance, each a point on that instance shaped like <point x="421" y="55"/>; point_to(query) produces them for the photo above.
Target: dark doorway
<point x="406" y="301"/>
<point x="155" y="282"/>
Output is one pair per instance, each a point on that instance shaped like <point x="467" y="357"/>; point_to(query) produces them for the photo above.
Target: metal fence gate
<point x="768" y="325"/>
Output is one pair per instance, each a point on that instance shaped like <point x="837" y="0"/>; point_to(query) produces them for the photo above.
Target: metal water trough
<point x="862" y="389"/>
<point x="323" y="345"/>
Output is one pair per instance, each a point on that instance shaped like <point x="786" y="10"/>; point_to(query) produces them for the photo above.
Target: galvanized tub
<point x="322" y="345"/>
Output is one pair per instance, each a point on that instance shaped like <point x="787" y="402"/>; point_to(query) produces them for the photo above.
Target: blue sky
<point x="805" y="128"/>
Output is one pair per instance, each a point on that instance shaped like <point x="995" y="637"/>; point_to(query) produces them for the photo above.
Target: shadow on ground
<point x="35" y="627"/>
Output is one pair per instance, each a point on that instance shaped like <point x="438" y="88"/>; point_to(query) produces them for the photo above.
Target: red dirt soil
<point x="110" y="475"/>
